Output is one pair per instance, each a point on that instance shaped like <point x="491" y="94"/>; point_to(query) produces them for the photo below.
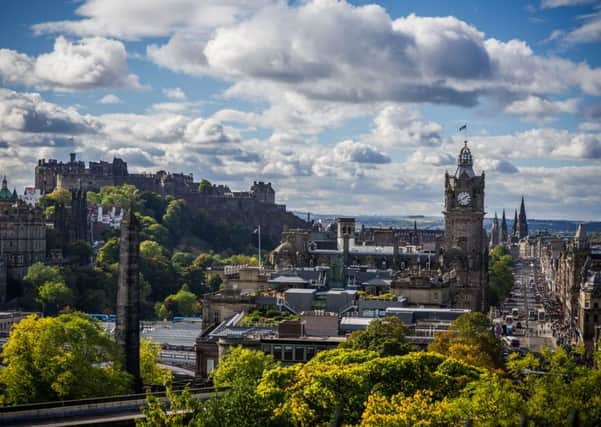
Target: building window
<point x="596" y="305"/>
<point x="288" y="352"/>
<point x="277" y="352"/>
<point x="299" y="354"/>
<point x="310" y="352"/>
<point x="210" y="365"/>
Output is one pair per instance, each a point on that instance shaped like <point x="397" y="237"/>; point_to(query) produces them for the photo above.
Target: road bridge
<point x="112" y="410"/>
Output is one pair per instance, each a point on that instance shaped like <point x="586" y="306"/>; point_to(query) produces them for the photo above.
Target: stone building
<point x="345" y="246"/>
<point x="22" y="234"/>
<point x="576" y="282"/>
<point x="465" y="248"/>
<point x="253" y="207"/>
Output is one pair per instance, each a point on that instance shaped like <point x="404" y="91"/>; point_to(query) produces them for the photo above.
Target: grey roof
<point x="299" y="291"/>
<point x="376" y="281"/>
<point x="288" y="279"/>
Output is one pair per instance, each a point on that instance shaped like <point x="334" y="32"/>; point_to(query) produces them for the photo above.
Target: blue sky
<point x="347" y="107"/>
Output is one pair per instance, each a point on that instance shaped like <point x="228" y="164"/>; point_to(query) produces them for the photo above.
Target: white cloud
<point x="589" y="126"/>
<point x="548" y="4"/>
<point x="135" y="19"/>
<point x="87" y="64"/>
<point x="589" y="32"/>
<point x="175" y="93"/>
<point x="110" y="99"/>
<point x="397" y="126"/>
<point x="28" y="112"/>
<point x="351" y="151"/>
<point x="534" y="108"/>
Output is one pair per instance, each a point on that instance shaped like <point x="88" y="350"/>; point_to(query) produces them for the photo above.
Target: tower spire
<point x="522" y="221"/>
<point x="494" y="232"/>
<point x="503" y="237"/>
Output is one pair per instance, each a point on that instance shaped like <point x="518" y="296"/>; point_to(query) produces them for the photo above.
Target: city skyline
<point x="351" y="108"/>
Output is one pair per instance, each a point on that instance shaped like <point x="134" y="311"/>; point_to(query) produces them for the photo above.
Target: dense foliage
<point x="177" y="247"/>
<point x="362" y="387"/>
<point x="500" y="275"/>
<point x="67" y="357"/>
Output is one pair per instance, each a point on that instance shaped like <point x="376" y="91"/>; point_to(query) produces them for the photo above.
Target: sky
<point x="347" y="107"/>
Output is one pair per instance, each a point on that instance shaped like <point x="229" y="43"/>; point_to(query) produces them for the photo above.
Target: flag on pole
<point x="464" y="127"/>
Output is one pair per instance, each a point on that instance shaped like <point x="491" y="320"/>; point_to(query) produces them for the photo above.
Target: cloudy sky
<point x="349" y="107"/>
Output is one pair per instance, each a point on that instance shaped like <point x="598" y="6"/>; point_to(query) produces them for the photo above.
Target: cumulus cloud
<point x="420" y="157"/>
<point x="28" y="112"/>
<point x="110" y="99"/>
<point x="137" y="19"/>
<point x="495" y="165"/>
<point x="397" y="126"/>
<point x="87" y="64"/>
<point x="175" y="93"/>
<point x="535" y="108"/>
<point x="351" y="151"/>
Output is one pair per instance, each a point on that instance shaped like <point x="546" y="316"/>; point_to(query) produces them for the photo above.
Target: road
<point x="524" y="311"/>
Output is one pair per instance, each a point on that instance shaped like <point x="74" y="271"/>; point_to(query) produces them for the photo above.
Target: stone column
<point x="129" y="309"/>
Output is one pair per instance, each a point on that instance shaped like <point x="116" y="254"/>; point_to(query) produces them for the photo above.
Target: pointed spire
<point x="503" y="236"/>
<point x="522" y="221"/>
<point x="581" y="239"/>
<point x="4" y="183"/>
<point x="494" y="232"/>
<point x="514" y="228"/>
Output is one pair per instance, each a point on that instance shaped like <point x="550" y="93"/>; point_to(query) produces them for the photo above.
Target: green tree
<point x="386" y="337"/>
<point x="55" y="295"/>
<point x="176" y="217"/>
<point x="242" y="365"/>
<point x="204" y="186"/>
<point x="80" y="252"/>
<point x="500" y="274"/>
<point x="470" y="338"/>
<point x="182" y="303"/>
<point x="150" y="370"/>
<point x="59" y="358"/>
<point x="39" y="273"/>
<point x="124" y="196"/>
<point x="108" y="254"/>
<point x="60" y="196"/>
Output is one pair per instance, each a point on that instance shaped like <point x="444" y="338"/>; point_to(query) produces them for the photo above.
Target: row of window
<point x="292" y="353"/>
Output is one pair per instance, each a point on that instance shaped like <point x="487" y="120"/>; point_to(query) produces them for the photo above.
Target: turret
<point x="581" y="239"/>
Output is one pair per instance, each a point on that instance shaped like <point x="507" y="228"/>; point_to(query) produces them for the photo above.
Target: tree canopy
<point x="386" y="337"/>
<point x="58" y="358"/>
<point x="470" y="338"/>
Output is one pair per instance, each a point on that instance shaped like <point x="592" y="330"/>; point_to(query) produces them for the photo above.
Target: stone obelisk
<point x="129" y="308"/>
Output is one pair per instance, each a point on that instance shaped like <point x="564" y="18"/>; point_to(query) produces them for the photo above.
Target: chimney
<point x="72" y="157"/>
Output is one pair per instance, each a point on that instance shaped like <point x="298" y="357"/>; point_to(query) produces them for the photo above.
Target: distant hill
<point x="433" y="222"/>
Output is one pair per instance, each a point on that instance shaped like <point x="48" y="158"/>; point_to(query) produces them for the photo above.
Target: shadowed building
<point x="128" y="299"/>
<point x="465" y="242"/>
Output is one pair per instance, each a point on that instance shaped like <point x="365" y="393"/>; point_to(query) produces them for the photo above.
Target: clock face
<point x="464" y="198"/>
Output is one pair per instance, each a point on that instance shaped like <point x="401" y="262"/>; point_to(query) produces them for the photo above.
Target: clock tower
<point x="465" y="249"/>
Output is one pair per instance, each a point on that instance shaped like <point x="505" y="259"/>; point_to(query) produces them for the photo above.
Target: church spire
<point x="503" y="236"/>
<point x="494" y="232"/>
<point x="522" y="221"/>
<point x="514" y="228"/>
